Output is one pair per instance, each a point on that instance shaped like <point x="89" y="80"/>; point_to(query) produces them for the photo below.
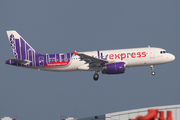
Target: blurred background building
<point x="171" y="112"/>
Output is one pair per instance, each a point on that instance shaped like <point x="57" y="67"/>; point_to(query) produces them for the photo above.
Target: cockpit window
<point x="162" y="52"/>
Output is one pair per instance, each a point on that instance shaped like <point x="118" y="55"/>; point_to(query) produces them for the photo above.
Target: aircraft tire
<point x="96" y="77"/>
<point x="153" y="73"/>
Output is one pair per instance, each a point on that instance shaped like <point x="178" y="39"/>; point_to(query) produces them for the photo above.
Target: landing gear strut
<point x="152" y="69"/>
<point x="96" y="76"/>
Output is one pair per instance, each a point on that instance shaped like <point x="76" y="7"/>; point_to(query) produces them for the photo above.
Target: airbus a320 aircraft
<point x="107" y="61"/>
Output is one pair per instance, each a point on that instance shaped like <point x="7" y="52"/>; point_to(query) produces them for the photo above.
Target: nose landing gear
<point x="152" y="69"/>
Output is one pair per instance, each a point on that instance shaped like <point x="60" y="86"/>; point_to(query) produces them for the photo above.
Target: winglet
<point x="75" y="53"/>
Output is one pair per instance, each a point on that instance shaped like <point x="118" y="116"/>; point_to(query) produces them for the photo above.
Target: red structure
<point x="161" y="115"/>
<point x="169" y="115"/>
<point x="153" y="114"/>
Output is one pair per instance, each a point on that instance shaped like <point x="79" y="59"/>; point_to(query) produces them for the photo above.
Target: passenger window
<point x="161" y="52"/>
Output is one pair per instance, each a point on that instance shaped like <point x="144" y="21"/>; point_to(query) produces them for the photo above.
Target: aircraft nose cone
<point x="171" y="57"/>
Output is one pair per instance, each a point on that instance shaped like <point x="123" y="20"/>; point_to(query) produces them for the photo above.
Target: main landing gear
<point x="96" y="76"/>
<point x="152" y="69"/>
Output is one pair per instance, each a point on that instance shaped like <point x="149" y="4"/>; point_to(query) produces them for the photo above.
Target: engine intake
<point x="114" y="68"/>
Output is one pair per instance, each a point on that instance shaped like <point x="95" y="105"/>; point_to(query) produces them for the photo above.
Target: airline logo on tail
<point x="13" y="45"/>
<point x="21" y="49"/>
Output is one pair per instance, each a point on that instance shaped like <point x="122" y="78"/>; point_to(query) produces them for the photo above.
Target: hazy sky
<point x="57" y="26"/>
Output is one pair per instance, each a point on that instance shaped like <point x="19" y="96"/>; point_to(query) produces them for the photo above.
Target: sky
<point x="62" y="26"/>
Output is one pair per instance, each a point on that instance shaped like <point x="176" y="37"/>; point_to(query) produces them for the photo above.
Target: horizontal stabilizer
<point x="25" y="62"/>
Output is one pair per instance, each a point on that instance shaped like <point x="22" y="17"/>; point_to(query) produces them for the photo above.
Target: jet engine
<point x="114" y="68"/>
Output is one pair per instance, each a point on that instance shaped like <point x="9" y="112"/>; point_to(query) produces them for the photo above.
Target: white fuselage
<point x="107" y="61"/>
<point x="135" y="57"/>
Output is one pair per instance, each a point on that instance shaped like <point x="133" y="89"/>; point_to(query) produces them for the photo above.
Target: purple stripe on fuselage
<point x="57" y="58"/>
<point x="68" y="56"/>
<point x="62" y="58"/>
<point x="72" y="54"/>
<point x="42" y="60"/>
<point x="52" y="58"/>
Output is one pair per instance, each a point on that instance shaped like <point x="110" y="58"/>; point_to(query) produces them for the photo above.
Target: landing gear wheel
<point x="96" y="77"/>
<point x="152" y="69"/>
<point x="153" y="73"/>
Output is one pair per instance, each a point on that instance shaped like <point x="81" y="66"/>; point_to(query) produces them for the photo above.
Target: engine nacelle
<point x="114" y="68"/>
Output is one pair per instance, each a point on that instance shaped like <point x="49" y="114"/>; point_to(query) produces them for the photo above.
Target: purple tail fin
<point x="21" y="49"/>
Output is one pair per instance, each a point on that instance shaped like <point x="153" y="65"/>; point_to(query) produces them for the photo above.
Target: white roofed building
<point x="6" y="118"/>
<point x="172" y="112"/>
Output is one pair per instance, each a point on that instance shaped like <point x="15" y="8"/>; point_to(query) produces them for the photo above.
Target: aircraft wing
<point x="92" y="61"/>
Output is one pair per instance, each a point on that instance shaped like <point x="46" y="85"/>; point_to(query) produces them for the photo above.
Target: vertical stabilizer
<point x="21" y="49"/>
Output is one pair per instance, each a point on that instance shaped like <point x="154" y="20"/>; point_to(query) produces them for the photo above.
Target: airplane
<point x="107" y="61"/>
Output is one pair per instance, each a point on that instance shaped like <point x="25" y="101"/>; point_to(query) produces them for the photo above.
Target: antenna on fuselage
<point x="148" y="46"/>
